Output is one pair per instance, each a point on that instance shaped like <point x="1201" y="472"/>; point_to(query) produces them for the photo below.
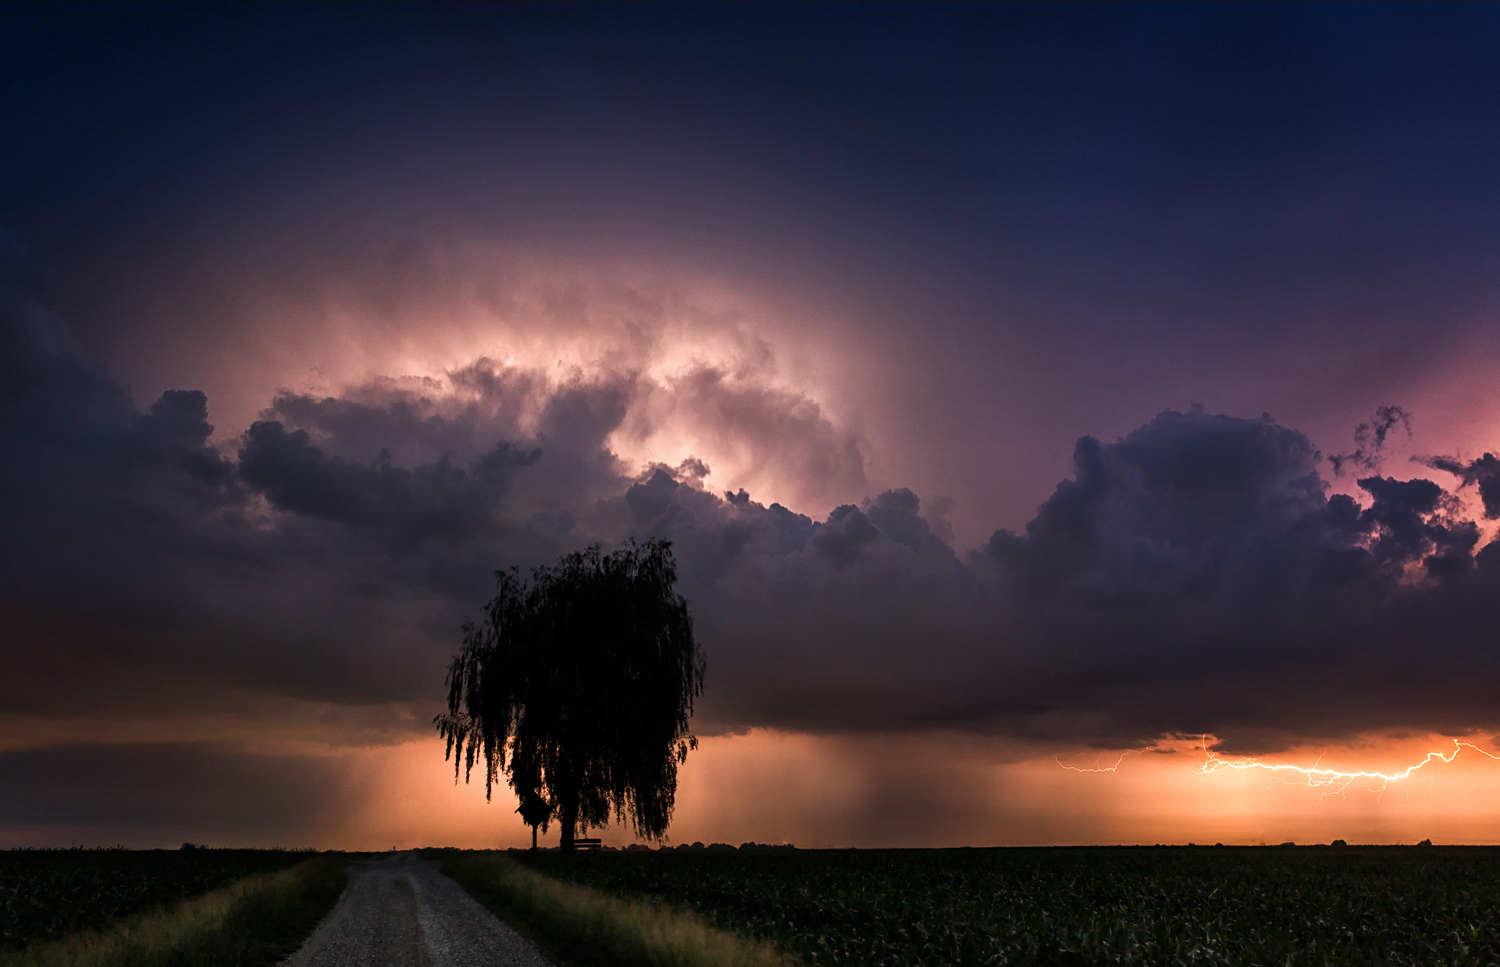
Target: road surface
<point x="401" y="912"/>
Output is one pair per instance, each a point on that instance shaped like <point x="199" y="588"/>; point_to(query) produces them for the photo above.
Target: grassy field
<point x="1273" y="906"/>
<point x="46" y="894"/>
<point x="577" y="926"/>
<point x="253" y="922"/>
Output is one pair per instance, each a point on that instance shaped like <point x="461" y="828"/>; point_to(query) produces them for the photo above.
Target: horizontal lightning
<point x="1316" y="775"/>
<point x="1096" y="767"/>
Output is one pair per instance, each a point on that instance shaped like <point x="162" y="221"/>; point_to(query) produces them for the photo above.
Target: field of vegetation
<point x="253" y="922"/>
<point x="1274" y="906"/>
<point x="579" y="926"/>
<point x="47" y="894"/>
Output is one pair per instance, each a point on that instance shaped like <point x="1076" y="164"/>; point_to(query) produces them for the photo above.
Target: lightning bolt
<point x="1335" y="780"/>
<point x="1096" y="767"/>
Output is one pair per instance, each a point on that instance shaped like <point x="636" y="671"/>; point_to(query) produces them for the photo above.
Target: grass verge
<point x="251" y="923"/>
<point x="583" y="927"/>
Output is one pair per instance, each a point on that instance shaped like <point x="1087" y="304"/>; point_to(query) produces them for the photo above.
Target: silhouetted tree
<point x="535" y="811"/>
<point x="578" y="686"/>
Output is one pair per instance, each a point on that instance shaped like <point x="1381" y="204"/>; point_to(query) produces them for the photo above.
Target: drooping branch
<point x="579" y="686"/>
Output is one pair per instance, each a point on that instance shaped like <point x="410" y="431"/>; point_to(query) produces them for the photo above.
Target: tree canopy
<point x="578" y="686"/>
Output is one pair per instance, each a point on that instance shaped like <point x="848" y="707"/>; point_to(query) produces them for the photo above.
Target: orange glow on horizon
<point x="1318" y="776"/>
<point x="947" y="789"/>
<point x="1443" y="796"/>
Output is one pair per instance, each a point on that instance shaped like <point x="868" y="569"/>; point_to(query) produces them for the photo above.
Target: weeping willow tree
<point x="577" y="687"/>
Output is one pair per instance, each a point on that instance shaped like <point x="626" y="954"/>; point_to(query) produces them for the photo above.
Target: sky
<point x="1020" y="386"/>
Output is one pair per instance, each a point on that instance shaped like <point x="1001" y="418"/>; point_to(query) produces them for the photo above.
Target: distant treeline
<point x="719" y="847"/>
<point x="641" y="848"/>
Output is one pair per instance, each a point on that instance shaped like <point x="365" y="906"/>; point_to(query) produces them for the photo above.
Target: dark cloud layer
<point x="1483" y="473"/>
<point x="1193" y="576"/>
<point x="165" y="792"/>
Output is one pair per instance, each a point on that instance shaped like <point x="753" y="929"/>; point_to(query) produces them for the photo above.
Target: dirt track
<point x="402" y="912"/>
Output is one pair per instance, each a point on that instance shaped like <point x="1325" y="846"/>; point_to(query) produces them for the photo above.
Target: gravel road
<point x="401" y="912"/>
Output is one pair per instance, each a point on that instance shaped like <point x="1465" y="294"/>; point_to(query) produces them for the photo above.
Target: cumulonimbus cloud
<point x="1193" y="576"/>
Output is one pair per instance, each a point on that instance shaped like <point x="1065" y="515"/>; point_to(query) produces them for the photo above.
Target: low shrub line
<point x="583" y="927"/>
<point x="251" y="923"/>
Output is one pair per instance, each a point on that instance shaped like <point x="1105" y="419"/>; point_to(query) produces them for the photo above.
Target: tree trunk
<point x="533" y="836"/>
<point x="569" y="826"/>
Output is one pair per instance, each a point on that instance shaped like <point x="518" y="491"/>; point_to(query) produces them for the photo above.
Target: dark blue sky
<point x="1091" y="141"/>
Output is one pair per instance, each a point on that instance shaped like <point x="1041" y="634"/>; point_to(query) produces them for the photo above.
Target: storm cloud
<point x="165" y="792"/>
<point x="1194" y="576"/>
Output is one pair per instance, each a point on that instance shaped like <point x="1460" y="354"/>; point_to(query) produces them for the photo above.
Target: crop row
<point x="1126" y="906"/>
<point x="45" y="894"/>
